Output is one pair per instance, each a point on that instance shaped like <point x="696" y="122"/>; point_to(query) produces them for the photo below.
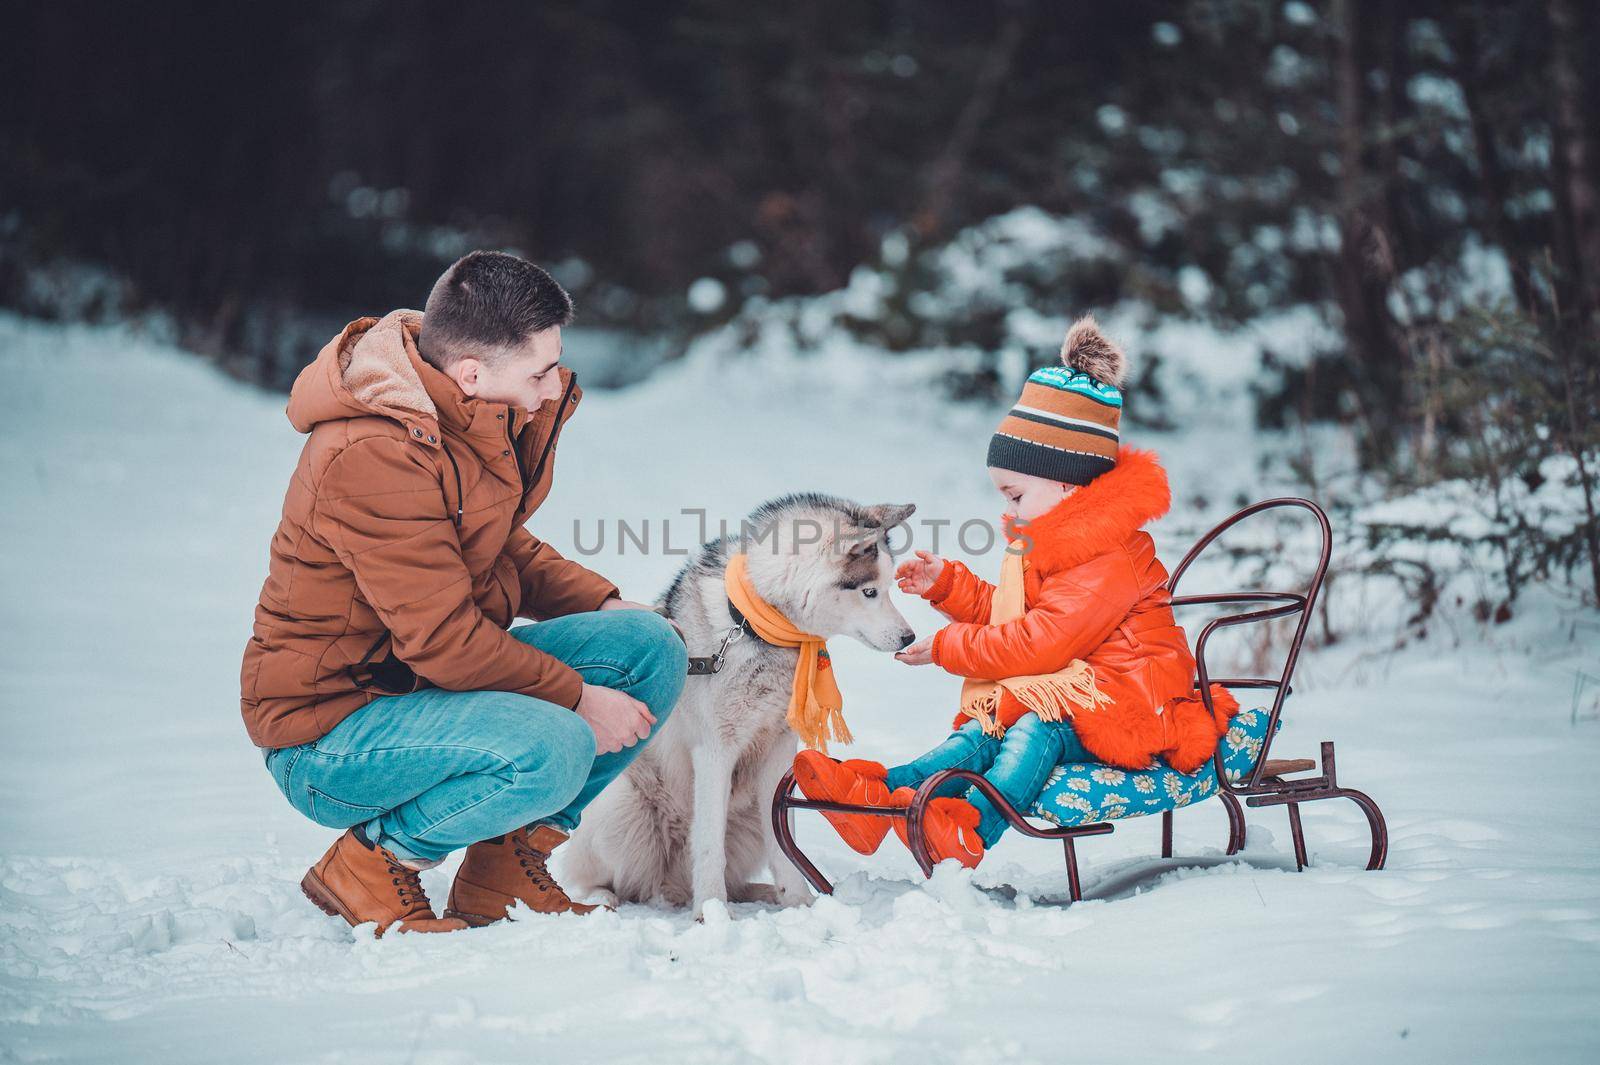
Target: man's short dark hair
<point x="486" y="303"/>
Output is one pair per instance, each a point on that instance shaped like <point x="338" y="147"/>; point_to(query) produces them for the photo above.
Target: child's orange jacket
<point x="1094" y="590"/>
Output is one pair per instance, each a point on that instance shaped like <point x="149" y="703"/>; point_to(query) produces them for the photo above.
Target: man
<point x="381" y="680"/>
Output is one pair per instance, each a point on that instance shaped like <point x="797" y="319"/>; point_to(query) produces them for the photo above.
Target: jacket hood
<point x="371" y="367"/>
<point x="1102" y="514"/>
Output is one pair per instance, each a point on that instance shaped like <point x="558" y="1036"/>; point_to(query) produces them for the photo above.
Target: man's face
<point x="522" y="377"/>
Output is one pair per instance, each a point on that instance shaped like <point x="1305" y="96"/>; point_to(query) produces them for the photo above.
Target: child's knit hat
<point x="1065" y="425"/>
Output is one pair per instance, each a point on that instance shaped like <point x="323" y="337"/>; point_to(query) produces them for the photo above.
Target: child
<point x="1075" y="656"/>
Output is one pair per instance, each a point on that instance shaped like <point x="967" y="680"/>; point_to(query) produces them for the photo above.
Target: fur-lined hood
<point x="1100" y="516"/>
<point x="371" y="367"/>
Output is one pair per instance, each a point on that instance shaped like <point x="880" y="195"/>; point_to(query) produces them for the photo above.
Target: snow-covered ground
<point x="149" y="900"/>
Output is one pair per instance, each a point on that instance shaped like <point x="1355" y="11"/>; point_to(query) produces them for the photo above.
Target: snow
<point x="149" y="901"/>
<point x="707" y="295"/>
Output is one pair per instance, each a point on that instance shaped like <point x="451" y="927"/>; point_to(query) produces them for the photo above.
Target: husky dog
<point x="689" y="820"/>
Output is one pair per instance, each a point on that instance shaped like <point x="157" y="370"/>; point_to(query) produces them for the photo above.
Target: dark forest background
<point x="260" y="173"/>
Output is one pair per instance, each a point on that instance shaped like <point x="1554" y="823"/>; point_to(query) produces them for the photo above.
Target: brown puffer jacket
<point x="401" y="557"/>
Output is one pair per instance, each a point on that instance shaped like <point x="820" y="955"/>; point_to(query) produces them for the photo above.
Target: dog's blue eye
<point x="870" y="593"/>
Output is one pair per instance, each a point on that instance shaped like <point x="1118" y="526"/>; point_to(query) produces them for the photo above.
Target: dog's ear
<point x="887" y="515"/>
<point x="864" y="545"/>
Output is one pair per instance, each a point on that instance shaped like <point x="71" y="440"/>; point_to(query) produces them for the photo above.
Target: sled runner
<point x="1081" y="799"/>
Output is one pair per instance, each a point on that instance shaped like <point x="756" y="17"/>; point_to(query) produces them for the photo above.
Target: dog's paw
<point x="791" y="897"/>
<point x="712" y="911"/>
<point x="762" y="893"/>
<point x="602" y="897"/>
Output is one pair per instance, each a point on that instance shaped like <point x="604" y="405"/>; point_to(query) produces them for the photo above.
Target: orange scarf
<point x="1050" y="695"/>
<point x="816" y="709"/>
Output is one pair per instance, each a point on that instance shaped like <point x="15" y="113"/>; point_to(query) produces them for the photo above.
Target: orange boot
<point x="950" y="825"/>
<point x="857" y="782"/>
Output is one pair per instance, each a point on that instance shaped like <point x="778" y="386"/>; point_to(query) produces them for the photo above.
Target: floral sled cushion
<point x="1078" y="793"/>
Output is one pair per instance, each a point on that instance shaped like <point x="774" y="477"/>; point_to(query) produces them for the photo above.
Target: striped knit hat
<point x="1065" y="425"/>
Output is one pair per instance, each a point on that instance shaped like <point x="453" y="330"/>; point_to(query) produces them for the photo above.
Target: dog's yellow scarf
<point x="1050" y="695"/>
<point x="816" y="709"/>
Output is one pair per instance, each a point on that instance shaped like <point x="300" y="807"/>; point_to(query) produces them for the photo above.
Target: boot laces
<point x="533" y="866"/>
<point x="407" y="885"/>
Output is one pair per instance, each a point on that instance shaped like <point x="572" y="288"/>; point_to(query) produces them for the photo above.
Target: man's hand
<point x="916" y="575"/>
<point x="629" y="604"/>
<point x="617" y="603"/>
<point x="919" y="653"/>
<point x="618" y="719"/>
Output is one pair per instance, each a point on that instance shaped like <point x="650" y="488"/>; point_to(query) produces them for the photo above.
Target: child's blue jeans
<point x="433" y="771"/>
<point x="1017" y="764"/>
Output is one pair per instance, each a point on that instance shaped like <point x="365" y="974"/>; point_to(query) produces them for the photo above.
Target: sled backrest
<point x="1288" y="604"/>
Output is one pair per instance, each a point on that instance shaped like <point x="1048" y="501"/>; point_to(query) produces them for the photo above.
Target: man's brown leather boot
<point x="362" y="882"/>
<point x="497" y="872"/>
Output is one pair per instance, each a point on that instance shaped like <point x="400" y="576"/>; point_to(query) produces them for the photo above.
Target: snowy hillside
<point x="149" y="899"/>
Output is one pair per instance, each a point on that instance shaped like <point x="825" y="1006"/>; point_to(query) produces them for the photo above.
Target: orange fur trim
<point x="1101" y="515"/>
<point x="1196" y="731"/>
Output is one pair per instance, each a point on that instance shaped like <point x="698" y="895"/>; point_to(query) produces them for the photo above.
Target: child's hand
<point x="919" y="653"/>
<point x="916" y="575"/>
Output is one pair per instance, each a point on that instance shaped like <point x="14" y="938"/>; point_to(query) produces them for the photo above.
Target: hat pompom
<point x="1087" y="350"/>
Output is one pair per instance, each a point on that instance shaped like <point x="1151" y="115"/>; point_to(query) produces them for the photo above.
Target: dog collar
<point x="740" y="621"/>
<point x="710" y="665"/>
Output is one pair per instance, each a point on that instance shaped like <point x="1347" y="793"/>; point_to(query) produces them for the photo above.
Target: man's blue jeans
<point x="1017" y="764"/>
<point x="433" y="771"/>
